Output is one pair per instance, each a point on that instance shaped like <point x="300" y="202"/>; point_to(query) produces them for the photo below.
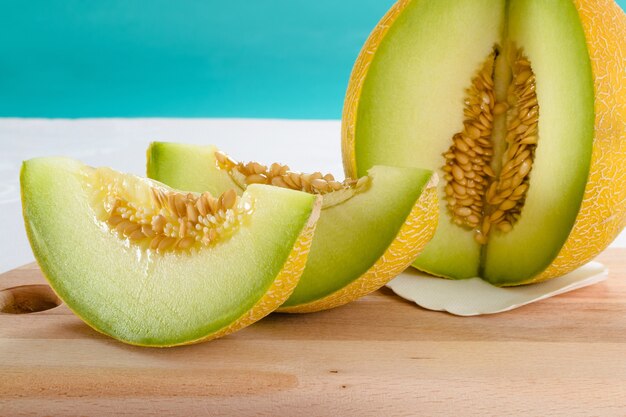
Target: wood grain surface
<point x="379" y="356"/>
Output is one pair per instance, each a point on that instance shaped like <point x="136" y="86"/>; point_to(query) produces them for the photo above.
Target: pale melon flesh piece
<point x="141" y="296"/>
<point x="350" y="237"/>
<point x="411" y="105"/>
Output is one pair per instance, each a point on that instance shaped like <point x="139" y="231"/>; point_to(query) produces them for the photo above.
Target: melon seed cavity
<point x="162" y="219"/>
<point x="279" y="175"/>
<point x="489" y="163"/>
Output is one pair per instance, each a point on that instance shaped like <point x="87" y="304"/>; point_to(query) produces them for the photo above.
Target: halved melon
<point x="520" y="105"/>
<point x="369" y="230"/>
<point x="151" y="266"/>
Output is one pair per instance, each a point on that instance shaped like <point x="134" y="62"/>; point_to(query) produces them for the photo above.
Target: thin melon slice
<point x="369" y="230"/>
<point x="151" y="266"/>
<point x="519" y="106"/>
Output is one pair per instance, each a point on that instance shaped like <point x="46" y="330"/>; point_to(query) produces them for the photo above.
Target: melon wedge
<point x="369" y="230"/>
<point x="124" y="255"/>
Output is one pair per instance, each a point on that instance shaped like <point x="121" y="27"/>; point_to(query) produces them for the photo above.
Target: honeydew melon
<point x="126" y="256"/>
<point x="369" y="230"/>
<point x="443" y="82"/>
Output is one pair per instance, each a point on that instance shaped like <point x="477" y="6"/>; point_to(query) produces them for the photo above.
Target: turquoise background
<point x="185" y="58"/>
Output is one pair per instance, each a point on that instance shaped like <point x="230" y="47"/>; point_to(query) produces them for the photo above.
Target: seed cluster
<point x="171" y="220"/>
<point x="468" y="170"/>
<point x="506" y="195"/>
<point x="477" y="197"/>
<point x="281" y="176"/>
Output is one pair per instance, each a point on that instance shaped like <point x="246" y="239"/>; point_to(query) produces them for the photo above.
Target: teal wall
<point x="190" y="58"/>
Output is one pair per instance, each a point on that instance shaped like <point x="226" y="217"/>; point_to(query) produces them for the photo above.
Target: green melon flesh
<point x="412" y="104"/>
<point x="137" y="295"/>
<point x="349" y="238"/>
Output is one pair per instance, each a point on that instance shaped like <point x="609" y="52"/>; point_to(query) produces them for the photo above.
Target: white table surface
<point x="304" y="145"/>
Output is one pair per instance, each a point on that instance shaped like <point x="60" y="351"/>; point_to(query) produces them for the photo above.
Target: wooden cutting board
<point x="379" y="356"/>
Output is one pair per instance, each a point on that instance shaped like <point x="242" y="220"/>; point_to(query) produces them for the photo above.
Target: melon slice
<point x="520" y="106"/>
<point x="369" y="230"/>
<point x="152" y="266"/>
